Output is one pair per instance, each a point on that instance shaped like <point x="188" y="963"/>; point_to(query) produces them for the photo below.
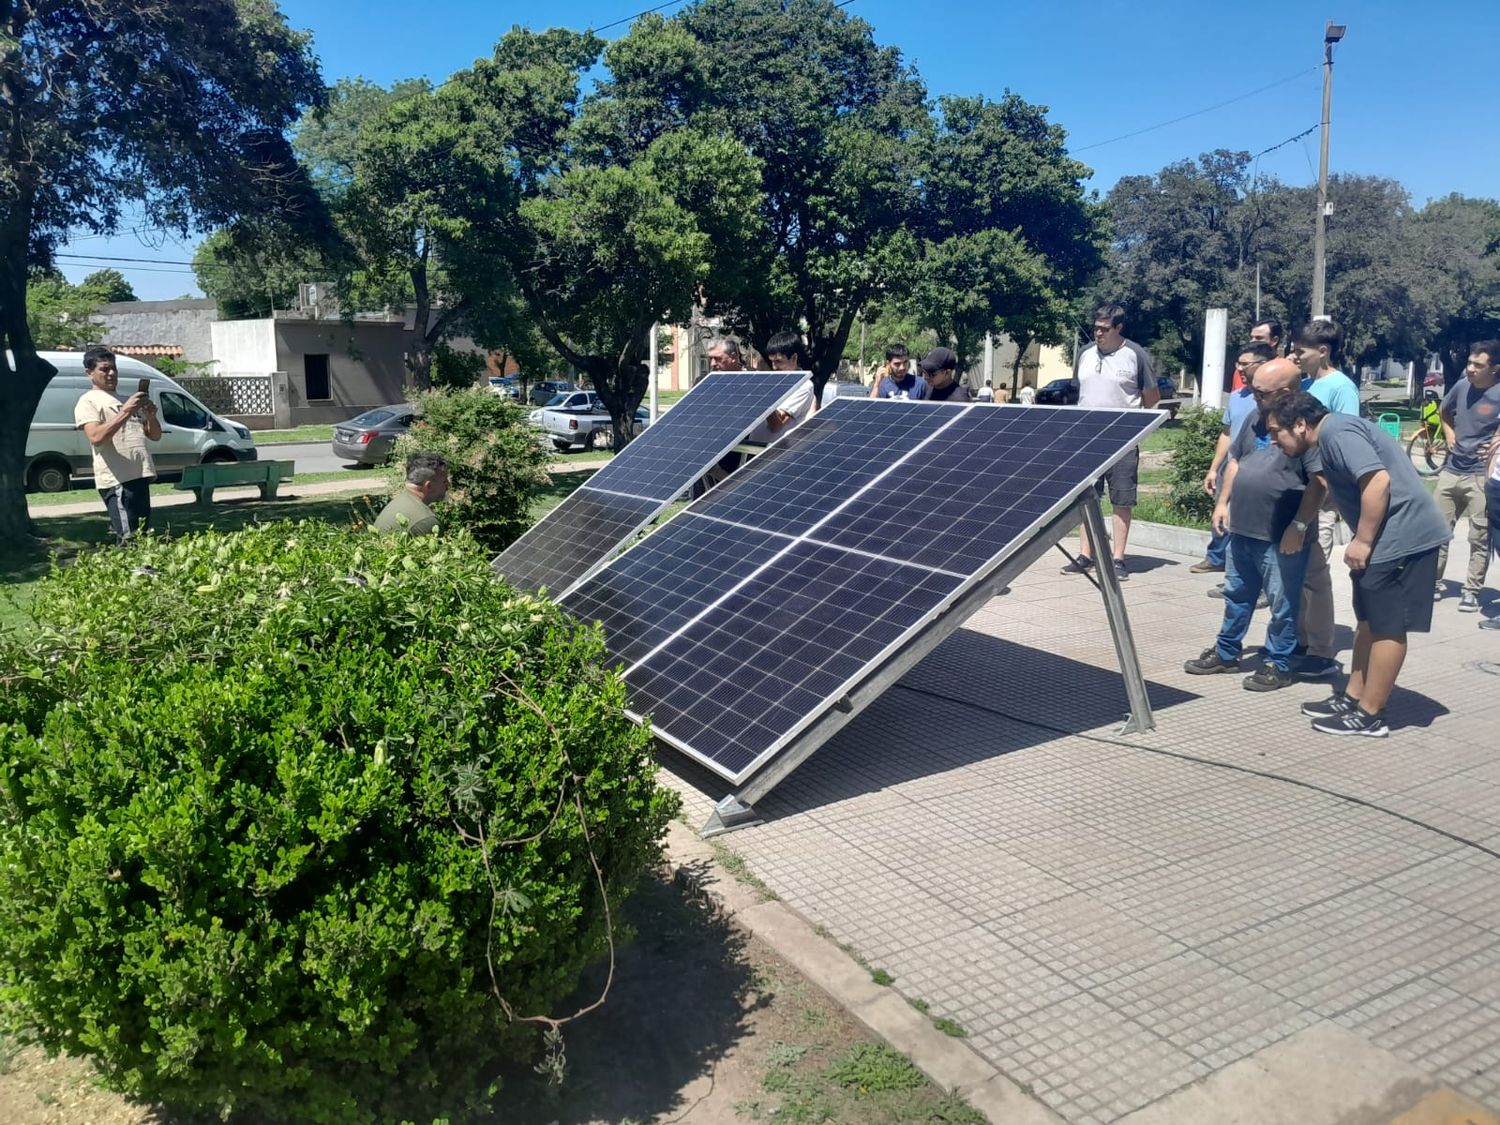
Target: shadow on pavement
<point x="681" y="998"/>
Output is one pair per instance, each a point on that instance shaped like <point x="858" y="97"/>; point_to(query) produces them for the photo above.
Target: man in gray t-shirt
<point x="1471" y="420"/>
<point x="1392" y="559"/>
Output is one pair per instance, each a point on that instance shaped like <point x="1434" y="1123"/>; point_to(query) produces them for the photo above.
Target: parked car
<point x="506" y="386"/>
<point x="542" y="393"/>
<point x="369" y="438"/>
<point x="1064" y="392"/>
<point x="578" y="420"/>
<point x="191" y="434"/>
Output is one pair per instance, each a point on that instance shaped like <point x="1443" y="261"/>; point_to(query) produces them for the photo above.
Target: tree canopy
<point x="177" y="110"/>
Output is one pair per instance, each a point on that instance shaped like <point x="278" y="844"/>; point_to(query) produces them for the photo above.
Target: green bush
<point x="496" y="463"/>
<point x="1192" y="453"/>
<point x="271" y="805"/>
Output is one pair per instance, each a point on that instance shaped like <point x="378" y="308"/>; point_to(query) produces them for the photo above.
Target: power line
<point x="1198" y="112"/>
<point x="106" y="258"/>
<point x="637" y="16"/>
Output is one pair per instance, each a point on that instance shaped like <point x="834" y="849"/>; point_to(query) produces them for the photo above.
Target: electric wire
<point x="1196" y="112"/>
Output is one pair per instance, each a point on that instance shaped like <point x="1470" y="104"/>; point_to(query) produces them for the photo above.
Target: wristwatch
<point x="1300" y="525"/>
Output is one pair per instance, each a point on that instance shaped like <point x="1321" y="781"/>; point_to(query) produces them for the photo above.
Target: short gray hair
<point x="729" y="346"/>
<point x="421" y="466"/>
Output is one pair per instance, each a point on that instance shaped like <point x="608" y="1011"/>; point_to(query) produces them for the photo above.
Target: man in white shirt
<point x="117" y="433"/>
<point x="784" y="352"/>
<point x="1114" y="373"/>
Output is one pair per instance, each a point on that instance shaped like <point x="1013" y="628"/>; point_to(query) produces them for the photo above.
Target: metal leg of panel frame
<point x="737" y="811"/>
<point x="1119" y="623"/>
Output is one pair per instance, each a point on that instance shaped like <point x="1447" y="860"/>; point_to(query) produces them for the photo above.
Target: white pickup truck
<point x="578" y="420"/>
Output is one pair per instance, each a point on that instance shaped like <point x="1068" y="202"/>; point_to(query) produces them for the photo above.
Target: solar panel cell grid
<point x="577" y="535"/>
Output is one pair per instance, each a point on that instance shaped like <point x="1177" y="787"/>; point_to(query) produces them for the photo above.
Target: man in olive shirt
<point x="409" y="510"/>
<point x="1392" y="559"/>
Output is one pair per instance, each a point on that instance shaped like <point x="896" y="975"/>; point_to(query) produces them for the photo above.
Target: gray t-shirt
<point x="1351" y="447"/>
<point x="1268" y="484"/>
<point x="1109" y="380"/>
<point x="1476" y="416"/>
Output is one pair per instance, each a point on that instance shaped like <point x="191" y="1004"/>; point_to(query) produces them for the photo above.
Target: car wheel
<point x="219" y="457"/>
<point x="602" y="438"/>
<point x="49" y="476"/>
<point x="561" y="446"/>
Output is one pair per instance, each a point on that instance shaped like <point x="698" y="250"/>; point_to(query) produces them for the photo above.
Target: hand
<point x="136" y="403"/>
<point x="1357" y="555"/>
<point x="1210" y="482"/>
<point x="1221" y="518"/>
<point x="1292" y="540"/>
<point x="778" y="419"/>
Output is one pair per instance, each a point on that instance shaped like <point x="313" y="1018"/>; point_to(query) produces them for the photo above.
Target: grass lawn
<point x="296" y="434"/>
<point x="84" y="495"/>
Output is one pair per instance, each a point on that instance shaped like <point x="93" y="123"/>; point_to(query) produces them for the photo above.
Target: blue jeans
<point x="1255" y="565"/>
<point x="1218" y="546"/>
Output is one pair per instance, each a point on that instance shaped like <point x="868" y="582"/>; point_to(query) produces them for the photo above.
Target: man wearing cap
<point x="940" y="369"/>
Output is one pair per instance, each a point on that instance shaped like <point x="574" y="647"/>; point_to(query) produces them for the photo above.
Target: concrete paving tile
<point x="1087" y="1061"/>
<point x="1428" y="1025"/>
<point x="1084" y="939"/>
<point x="1463" y="884"/>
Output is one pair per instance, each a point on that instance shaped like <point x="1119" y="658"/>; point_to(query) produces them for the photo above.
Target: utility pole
<point x="1332" y="33"/>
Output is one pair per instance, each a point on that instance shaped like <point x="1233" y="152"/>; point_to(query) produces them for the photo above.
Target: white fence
<point x="243" y="395"/>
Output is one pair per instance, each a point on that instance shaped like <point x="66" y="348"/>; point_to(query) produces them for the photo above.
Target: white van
<point x="191" y="434"/>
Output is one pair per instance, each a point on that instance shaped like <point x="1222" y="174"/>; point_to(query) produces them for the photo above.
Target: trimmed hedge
<point x="242" y="793"/>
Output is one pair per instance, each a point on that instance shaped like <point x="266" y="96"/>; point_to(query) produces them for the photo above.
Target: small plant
<point x="880" y="976"/>
<point x="1193" y="445"/>
<point x="495" y="462"/>
<point x="875" y="1067"/>
<point x="950" y="1027"/>
<point x="785" y="1054"/>
<point x="918" y="1003"/>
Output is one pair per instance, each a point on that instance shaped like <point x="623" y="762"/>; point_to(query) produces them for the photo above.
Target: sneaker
<point x="1217" y="591"/>
<point x="1335" y="704"/>
<point x="1210" y="663"/>
<point x="1490" y="623"/>
<point x="1316" y="668"/>
<point x="1439" y="592"/>
<point x="1353" y="721"/>
<point x="1469" y="603"/>
<point x="1206" y="567"/>
<point x="1269" y="678"/>
<point x="1081" y="565"/>
<point x="1121" y="574"/>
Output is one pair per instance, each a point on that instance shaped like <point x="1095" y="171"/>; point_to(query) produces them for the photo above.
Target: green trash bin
<point x="1390" y="423"/>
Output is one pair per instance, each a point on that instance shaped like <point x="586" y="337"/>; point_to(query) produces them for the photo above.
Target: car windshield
<point x="557" y="400"/>
<point x="371" y="418"/>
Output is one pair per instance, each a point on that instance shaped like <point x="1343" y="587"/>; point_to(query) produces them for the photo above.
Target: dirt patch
<point x="704" y="1025"/>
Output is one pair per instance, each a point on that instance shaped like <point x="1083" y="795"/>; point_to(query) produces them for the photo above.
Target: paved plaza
<point x="1113" y="923"/>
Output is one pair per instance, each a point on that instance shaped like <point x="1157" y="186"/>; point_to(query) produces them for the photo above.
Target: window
<point x="181" y="411"/>
<point x="315" y="374"/>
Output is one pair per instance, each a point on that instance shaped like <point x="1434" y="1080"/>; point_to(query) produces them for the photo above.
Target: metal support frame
<point x="737" y="809"/>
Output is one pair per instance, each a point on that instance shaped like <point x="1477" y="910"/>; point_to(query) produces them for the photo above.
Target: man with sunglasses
<point x="1114" y="373"/>
<point x="1268" y="501"/>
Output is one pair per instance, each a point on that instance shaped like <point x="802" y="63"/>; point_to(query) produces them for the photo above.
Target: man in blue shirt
<point x="897" y="379"/>
<point x="1236" y="410"/>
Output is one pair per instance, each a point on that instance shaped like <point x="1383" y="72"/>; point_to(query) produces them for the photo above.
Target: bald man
<point x="1266" y="505"/>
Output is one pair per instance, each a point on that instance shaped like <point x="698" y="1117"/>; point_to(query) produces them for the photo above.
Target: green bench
<point x="203" y="479"/>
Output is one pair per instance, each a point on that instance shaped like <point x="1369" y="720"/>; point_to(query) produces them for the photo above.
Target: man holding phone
<point x="117" y="433"/>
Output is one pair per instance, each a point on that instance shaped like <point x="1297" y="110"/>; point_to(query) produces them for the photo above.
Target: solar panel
<point x="770" y="599"/>
<point x="577" y="536"/>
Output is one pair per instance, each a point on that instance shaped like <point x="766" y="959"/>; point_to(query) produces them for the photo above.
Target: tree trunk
<point x="1022" y="344"/>
<point x="21" y="382"/>
<point x="419" y="355"/>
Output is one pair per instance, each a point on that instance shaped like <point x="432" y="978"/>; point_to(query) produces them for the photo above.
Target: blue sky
<point x="1414" y="86"/>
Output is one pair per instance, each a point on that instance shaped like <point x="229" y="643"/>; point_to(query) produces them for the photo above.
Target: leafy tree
<point x="1462" y="241"/>
<point x="110" y="285"/>
<point x="1012" y="238"/>
<point x="58" y="314"/>
<point x="178" y="109"/>
<point x="252" y="268"/>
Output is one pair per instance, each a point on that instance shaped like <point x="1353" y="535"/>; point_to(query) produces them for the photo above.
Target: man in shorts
<point x="1114" y="373"/>
<point x="1392" y="558"/>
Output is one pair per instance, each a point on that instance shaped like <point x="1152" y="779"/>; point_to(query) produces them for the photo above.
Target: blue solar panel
<point x="748" y="616"/>
<point x="581" y="533"/>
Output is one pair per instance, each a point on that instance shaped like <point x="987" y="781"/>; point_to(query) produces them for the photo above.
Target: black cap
<point x="939" y="359"/>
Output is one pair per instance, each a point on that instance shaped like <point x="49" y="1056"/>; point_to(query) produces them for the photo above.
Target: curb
<point x="1168" y="537"/>
<point x="950" y="1063"/>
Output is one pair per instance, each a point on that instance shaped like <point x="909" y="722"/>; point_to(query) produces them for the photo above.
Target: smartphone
<point x="143" y="386"/>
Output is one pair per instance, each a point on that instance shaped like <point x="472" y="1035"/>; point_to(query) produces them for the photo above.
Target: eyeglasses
<point x="1098" y="328"/>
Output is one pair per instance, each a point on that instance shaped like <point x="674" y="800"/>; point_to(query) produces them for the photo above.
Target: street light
<point x="1332" y="33"/>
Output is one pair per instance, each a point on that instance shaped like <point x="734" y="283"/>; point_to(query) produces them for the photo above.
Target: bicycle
<point x="1428" y="448"/>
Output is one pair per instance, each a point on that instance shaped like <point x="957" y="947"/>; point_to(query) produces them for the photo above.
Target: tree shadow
<point x="682" y="996"/>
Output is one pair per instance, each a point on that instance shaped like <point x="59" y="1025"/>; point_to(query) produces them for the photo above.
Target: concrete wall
<point x="184" y="324"/>
<point x="244" y="347"/>
<point x="366" y="366"/>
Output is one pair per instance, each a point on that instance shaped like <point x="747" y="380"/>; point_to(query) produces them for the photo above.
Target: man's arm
<point x="1221" y="509"/>
<point x="1221" y="451"/>
<point x="152" y="422"/>
<point x="100" y="432"/>
<point x="1374" y="500"/>
<point x="1307" y="514"/>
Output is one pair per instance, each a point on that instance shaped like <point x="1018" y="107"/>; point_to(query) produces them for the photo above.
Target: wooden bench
<point x="203" y="479"/>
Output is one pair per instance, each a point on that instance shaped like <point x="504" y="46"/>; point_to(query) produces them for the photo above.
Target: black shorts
<point x="1395" y="597"/>
<point x="1122" y="480"/>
